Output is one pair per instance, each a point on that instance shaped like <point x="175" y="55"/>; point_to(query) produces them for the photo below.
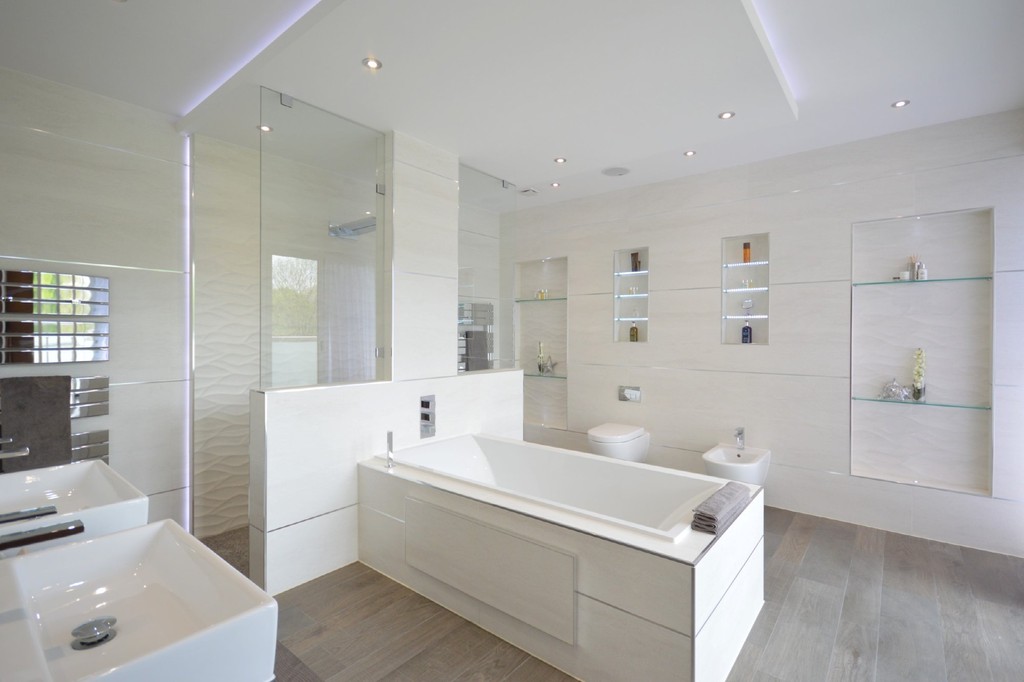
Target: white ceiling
<point x="510" y="86"/>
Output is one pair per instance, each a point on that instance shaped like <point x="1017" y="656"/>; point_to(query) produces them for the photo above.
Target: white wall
<point x="89" y="185"/>
<point x="305" y="442"/>
<point x="226" y="319"/>
<point x="424" y="210"/>
<point x="793" y="394"/>
<point x="304" y="500"/>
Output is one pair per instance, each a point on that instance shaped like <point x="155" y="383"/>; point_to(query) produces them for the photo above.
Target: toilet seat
<point x="614" y="433"/>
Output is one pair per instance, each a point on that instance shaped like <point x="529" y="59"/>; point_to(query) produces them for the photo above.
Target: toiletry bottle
<point x="747" y="333"/>
<point x="922" y="271"/>
<point x="540" y="357"/>
<point x="634" y="333"/>
<point x="746" y="252"/>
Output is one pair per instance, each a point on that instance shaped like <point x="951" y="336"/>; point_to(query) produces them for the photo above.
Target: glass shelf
<point x="924" y="281"/>
<point x="743" y="290"/>
<point x="922" y="403"/>
<point x="540" y="300"/>
<point x="631" y="319"/>
<point x="630" y="295"/>
<point x="631" y="273"/>
<point x="744" y="265"/>
<point x="744" y="317"/>
<point x="544" y="376"/>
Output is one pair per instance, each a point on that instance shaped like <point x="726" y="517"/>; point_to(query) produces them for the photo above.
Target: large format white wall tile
<point x="792" y="394"/>
<point x="173" y="504"/>
<point x="408" y="150"/>
<point x="148" y="324"/>
<point x="426" y="215"/>
<point x="314" y="436"/>
<point x="306" y="442"/>
<point x="89" y="185"/>
<point x="31" y="102"/>
<point x="878" y="504"/>
<point x="307" y="550"/>
<point x="1007" y="346"/>
<point x="1008" y="442"/>
<point x="424" y="330"/>
<point x="149" y="437"/>
<point x="74" y="201"/>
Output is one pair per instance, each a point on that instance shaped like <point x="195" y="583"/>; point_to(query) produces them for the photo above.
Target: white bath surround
<point x="586" y="562"/>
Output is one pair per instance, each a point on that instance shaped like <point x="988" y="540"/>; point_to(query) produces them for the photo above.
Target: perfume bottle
<point x="747" y="333"/>
<point x="634" y="333"/>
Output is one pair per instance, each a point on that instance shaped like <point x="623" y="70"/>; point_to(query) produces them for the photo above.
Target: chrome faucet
<point x="391" y="452"/>
<point x="741" y="439"/>
<point x="37" y="535"/>
<point x="10" y="454"/>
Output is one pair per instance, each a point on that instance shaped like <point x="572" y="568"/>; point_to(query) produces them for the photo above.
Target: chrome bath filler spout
<point x="391" y="452"/>
<point x="741" y="440"/>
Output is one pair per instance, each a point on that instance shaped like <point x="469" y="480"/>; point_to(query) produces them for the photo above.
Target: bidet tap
<point x="741" y="440"/>
<point x="391" y="452"/>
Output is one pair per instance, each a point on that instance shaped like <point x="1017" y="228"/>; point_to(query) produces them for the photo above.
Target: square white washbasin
<point x="182" y="612"/>
<point x="89" y="491"/>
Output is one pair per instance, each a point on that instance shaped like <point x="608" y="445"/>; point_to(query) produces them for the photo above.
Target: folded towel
<point x="717" y="512"/>
<point x="35" y="412"/>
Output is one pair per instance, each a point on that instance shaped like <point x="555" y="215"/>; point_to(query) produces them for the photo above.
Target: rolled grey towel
<point x="717" y="512"/>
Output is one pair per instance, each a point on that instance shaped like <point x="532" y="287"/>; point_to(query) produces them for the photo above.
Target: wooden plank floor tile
<point x="800" y="646"/>
<point x="843" y="603"/>
<point x="910" y="640"/>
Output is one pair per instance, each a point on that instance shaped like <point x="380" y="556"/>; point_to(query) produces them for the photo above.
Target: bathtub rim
<point x="690" y="547"/>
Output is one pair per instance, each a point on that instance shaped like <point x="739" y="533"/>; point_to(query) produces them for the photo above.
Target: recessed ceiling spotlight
<point x="369" y="213"/>
<point x="689" y="152"/>
<point x="555" y="184"/>
<point x="559" y="160"/>
<point x="615" y="171"/>
<point x="899" y="104"/>
<point x="726" y="115"/>
<point x="265" y="128"/>
<point x="373" y="64"/>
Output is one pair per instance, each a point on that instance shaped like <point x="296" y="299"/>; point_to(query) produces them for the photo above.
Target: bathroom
<point x="182" y="436"/>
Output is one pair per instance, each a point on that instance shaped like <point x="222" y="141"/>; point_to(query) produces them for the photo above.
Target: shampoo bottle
<point x="634" y="333"/>
<point x="748" y="333"/>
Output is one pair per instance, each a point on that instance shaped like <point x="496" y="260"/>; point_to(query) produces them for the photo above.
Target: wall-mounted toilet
<point x="621" y="441"/>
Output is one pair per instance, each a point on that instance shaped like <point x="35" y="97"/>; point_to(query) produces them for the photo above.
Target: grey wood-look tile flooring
<point x="842" y="603"/>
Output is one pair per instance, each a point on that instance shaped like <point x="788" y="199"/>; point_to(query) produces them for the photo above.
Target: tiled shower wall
<point x="89" y="185"/>
<point x="793" y="394"/>
<point x="226" y="314"/>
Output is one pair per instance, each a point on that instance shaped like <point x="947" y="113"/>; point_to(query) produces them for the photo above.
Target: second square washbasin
<point x="87" y="491"/>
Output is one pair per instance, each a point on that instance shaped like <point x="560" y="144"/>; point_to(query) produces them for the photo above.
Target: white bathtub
<point x="586" y="562"/>
<point x="652" y="501"/>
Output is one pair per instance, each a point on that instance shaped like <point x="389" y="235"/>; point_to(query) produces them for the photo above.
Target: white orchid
<point x="919" y="365"/>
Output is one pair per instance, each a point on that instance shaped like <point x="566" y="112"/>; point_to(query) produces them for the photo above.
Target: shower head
<point x="353" y="229"/>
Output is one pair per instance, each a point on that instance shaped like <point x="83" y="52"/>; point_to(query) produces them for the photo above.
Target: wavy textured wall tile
<point x="226" y="328"/>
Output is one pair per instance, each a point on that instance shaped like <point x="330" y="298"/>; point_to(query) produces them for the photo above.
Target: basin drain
<point x="94" y="633"/>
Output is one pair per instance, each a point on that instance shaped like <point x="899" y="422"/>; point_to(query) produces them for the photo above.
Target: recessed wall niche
<point x="745" y="294"/>
<point x="541" y="339"/>
<point x="631" y="272"/>
<point x="923" y="282"/>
